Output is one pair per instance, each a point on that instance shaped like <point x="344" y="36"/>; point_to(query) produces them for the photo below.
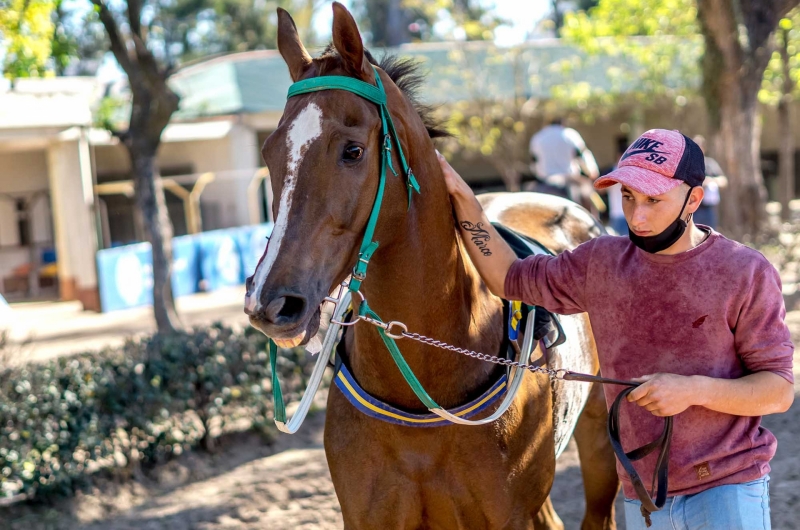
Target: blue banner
<point x="201" y="262"/>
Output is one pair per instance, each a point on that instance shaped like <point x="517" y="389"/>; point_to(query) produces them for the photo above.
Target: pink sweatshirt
<point x="715" y="310"/>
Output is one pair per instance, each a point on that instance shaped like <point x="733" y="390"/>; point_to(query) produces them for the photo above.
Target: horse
<point x="324" y="163"/>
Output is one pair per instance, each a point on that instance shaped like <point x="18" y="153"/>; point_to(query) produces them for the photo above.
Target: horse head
<point x="324" y="164"/>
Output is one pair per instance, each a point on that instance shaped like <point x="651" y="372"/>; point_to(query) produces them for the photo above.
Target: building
<point x="65" y="189"/>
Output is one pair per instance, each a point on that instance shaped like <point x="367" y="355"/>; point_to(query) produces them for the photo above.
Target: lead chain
<point x="387" y="326"/>
<point x="481" y="356"/>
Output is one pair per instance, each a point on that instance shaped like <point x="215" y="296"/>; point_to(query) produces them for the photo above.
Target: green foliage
<point x="653" y="45"/>
<point x="772" y="85"/>
<point x="630" y="18"/>
<point x="111" y="111"/>
<point x="65" y="419"/>
<point x="26" y="29"/>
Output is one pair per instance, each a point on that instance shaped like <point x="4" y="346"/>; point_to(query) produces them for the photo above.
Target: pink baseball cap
<point x="657" y="162"/>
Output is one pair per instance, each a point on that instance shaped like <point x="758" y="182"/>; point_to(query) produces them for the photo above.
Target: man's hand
<point x="664" y="394"/>
<point x="755" y="394"/>
<point x="455" y="184"/>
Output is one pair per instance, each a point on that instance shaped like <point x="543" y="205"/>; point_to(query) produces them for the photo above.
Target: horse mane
<point x="405" y="73"/>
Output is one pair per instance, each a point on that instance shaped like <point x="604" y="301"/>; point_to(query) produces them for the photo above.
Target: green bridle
<point x="387" y="330"/>
<point x="376" y="94"/>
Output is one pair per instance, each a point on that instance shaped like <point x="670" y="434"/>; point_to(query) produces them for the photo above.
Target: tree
<point x="153" y="103"/>
<point x="780" y="87"/>
<point x="738" y="37"/>
<point x="27" y="30"/>
<point x="149" y="40"/>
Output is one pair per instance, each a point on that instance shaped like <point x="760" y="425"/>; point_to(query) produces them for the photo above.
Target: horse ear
<point x="347" y="41"/>
<point x="292" y="50"/>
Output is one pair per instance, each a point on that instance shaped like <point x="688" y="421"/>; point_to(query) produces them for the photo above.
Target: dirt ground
<point x="249" y="484"/>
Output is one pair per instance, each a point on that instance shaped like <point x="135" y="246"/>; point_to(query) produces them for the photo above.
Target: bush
<point x="65" y="419"/>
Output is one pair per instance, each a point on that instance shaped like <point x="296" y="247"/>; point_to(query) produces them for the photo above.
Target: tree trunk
<point x="738" y="45"/>
<point x="152" y="106"/>
<point x="740" y="137"/>
<point x="558" y="17"/>
<point x="151" y="202"/>
<point x="512" y="179"/>
<point x="388" y="22"/>
<point x="786" y="149"/>
<point x="397" y="24"/>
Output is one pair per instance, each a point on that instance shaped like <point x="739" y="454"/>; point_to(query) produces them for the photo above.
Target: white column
<point x="244" y="156"/>
<point x="72" y="197"/>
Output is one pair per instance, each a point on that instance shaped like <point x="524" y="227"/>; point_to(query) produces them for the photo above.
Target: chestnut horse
<point x="324" y="165"/>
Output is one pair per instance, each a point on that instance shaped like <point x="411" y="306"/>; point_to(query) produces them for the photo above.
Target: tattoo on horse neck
<point x="479" y="236"/>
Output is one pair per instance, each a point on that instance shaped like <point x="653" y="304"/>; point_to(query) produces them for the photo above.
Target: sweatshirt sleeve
<point x="556" y="283"/>
<point x="761" y="337"/>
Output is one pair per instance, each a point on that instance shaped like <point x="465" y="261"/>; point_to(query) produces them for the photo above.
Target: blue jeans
<point x="620" y="225"/>
<point x="731" y="507"/>
<point x="706" y="215"/>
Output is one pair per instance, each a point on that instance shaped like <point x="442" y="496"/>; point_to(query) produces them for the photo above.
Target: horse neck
<point x="424" y="279"/>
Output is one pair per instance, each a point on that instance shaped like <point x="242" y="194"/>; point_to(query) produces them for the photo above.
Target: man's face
<point x="650" y="215"/>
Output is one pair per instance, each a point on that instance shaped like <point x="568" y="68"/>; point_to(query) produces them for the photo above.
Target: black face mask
<point x="664" y="240"/>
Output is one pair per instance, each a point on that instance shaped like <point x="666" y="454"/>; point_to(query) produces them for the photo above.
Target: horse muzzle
<point x="286" y="318"/>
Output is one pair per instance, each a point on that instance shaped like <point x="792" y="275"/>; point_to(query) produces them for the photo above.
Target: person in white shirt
<point x="707" y="214"/>
<point x="563" y="164"/>
<point x="616" y="217"/>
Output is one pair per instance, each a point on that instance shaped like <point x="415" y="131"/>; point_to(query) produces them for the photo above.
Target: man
<point x="562" y="163"/>
<point x="696" y="317"/>
<point x="707" y="214"/>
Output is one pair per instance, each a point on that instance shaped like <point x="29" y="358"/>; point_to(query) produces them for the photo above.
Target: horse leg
<point x="598" y="465"/>
<point x="547" y="518"/>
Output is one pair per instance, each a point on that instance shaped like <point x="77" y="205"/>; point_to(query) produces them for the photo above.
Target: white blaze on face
<point x="305" y="128"/>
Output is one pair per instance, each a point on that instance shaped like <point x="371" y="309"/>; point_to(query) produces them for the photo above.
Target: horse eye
<point x="353" y="152"/>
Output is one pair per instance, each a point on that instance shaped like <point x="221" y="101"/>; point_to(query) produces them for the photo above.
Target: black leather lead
<point x="649" y="505"/>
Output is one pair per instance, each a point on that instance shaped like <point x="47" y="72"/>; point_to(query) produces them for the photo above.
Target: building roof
<point x="57" y="102"/>
<point x="253" y="82"/>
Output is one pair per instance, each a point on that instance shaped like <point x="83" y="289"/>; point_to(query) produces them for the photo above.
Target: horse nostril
<point x="285" y="307"/>
<point x="292" y="307"/>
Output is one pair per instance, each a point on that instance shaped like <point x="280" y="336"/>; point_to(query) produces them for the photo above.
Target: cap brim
<point x="638" y="179"/>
